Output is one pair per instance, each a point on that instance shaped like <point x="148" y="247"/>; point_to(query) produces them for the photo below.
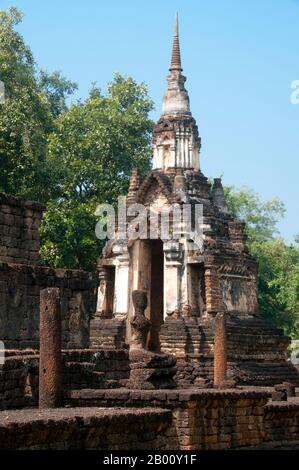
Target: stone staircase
<point x="95" y="369"/>
<point x="107" y="333"/>
<point x="257" y="351"/>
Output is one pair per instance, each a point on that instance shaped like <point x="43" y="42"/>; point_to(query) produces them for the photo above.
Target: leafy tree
<point x="32" y="101"/>
<point x="73" y="157"/>
<point x="57" y="88"/>
<point x="68" y="235"/>
<point x="92" y="151"/>
<point x="261" y="217"/>
<point x="279" y="283"/>
<point x="96" y="144"/>
<point x="278" y="261"/>
<point x="25" y="119"/>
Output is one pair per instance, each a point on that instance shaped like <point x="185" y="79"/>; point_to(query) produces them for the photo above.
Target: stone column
<point x="172" y="266"/>
<point x="158" y="155"/>
<point x="50" y="390"/>
<point x="220" y="350"/>
<point x="187" y="154"/>
<point x="182" y="145"/>
<point x="121" y="288"/>
<point x="104" y="303"/>
<point x="178" y="150"/>
<point x="172" y="154"/>
<point x="213" y="290"/>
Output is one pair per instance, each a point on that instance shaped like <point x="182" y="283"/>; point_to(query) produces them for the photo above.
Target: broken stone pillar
<point x="50" y="389"/>
<point x="220" y="350"/>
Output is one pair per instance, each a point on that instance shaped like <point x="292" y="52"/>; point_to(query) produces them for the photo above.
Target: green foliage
<point x="27" y="115"/>
<point x="72" y="157"/>
<point x="68" y="235"/>
<point x="25" y="119"/>
<point x="56" y="88"/>
<point x="261" y="217"/>
<point x="278" y="261"/>
<point x="92" y="151"/>
<point x="76" y="157"/>
<point x="96" y="144"/>
<point x="279" y="283"/>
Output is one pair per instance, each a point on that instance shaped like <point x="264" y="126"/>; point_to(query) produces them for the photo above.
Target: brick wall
<point x="20" y="287"/>
<point x="19" y="225"/>
<point x="282" y="421"/>
<point x="82" y="368"/>
<point x="95" y="428"/>
<point x="196" y="420"/>
<point x="204" y="419"/>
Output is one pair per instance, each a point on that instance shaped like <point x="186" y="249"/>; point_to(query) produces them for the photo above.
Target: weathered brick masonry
<point x="81" y="368"/>
<point x="189" y="275"/>
<point x="21" y="279"/>
<point x="152" y="374"/>
<point x="19" y="224"/>
<point x="211" y="419"/>
<point x="161" y="420"/>
<point x="20" y="287"/>
<point x="92" y="428"/>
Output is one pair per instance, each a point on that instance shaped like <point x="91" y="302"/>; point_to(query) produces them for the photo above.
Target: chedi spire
<point x="176" y="53"/>
<point x="176" y="142"/>
<point x="176" y="99"/>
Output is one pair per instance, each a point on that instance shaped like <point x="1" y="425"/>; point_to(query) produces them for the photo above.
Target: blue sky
<point x="239" y="57"/>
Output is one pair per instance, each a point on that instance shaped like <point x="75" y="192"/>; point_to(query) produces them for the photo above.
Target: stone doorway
<point x="197" y="291"/>
<point x="147" y="273"/>
<point x="156" y="297"/>
<point x="110" y="290"/>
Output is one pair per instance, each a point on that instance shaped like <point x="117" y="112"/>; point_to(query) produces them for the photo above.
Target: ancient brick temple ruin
<point x="187" y="286"/>
<point x="22" y="278"/>
<point x="174" y="355"/>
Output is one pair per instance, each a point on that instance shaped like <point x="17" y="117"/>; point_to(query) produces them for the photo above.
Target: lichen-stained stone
<point x="220" y="350"/>
<point x="50" y="368"/>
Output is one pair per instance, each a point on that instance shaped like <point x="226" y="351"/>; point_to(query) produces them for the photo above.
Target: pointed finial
<point x="176" y="54"/>
<point x="134" y="185"/>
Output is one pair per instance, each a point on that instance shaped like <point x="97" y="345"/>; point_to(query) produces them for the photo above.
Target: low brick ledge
<point x="79" y="354"/>
<point x="82" y="428"/>
<point x="291" y="405"/>
<point x="103" y="415"/>
<point x="122" y="395"/>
